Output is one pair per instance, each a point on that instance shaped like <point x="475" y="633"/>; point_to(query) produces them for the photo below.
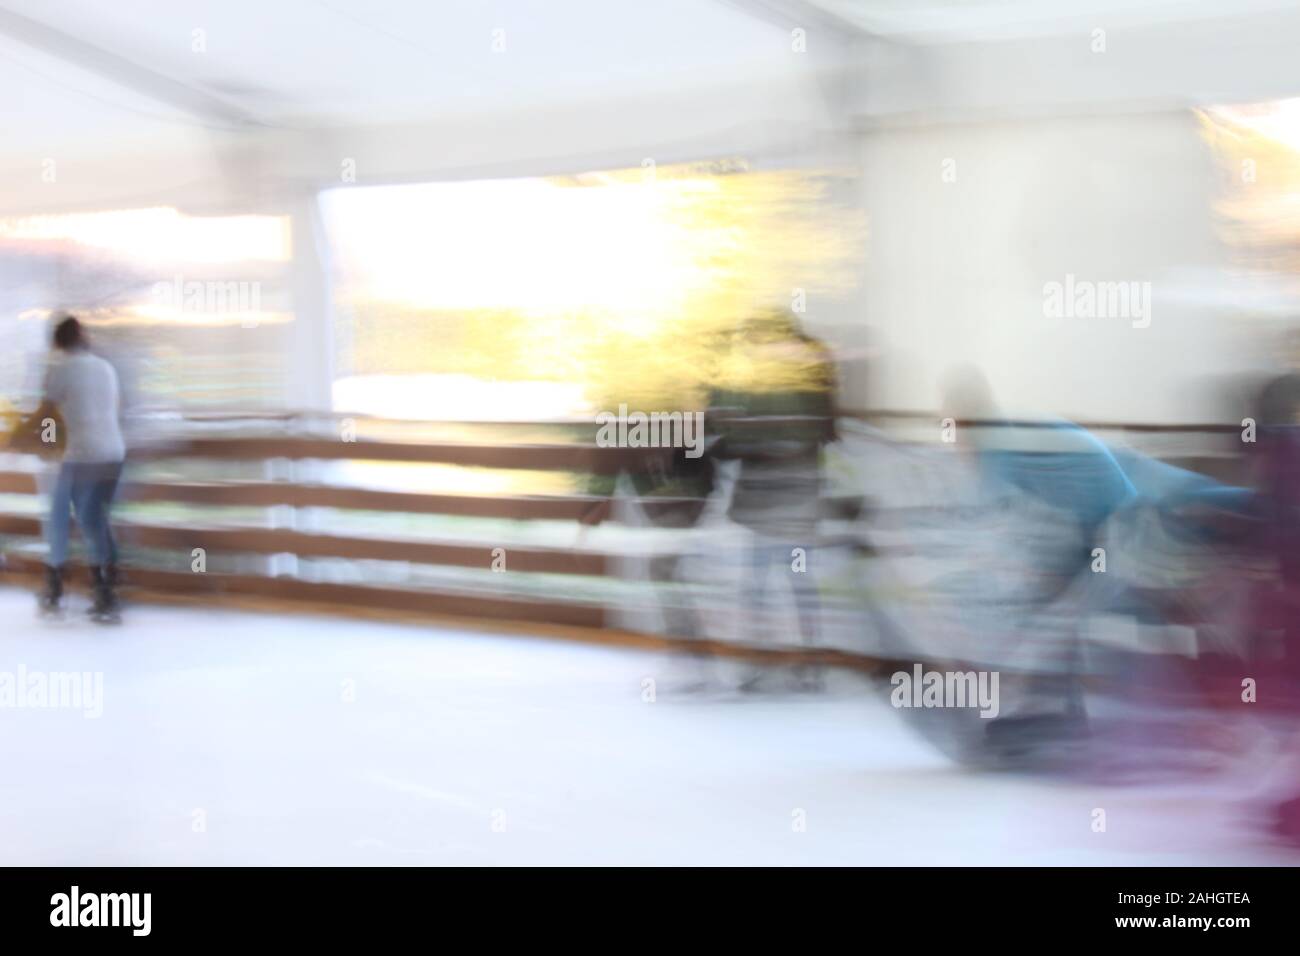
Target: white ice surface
<point x="469" y="748"/>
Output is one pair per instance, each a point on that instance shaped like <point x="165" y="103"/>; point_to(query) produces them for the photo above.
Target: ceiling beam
<point x="788" y="14"/>
<point x="123" y="72"/>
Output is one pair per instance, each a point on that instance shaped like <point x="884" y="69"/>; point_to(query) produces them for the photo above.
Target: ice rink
<point x="230" y="737"/>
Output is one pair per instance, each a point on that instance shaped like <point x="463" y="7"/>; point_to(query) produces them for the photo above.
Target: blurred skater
<point x="1045" y="489"/>
<point x="83" y="387"/>
<point x="775" y="413"/>
<point x="1278" y="486"/>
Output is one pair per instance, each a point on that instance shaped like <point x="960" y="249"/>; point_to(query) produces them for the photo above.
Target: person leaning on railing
<point x="79" y="413"/>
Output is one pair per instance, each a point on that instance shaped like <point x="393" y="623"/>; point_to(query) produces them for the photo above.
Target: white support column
<point x="310" y="339"/>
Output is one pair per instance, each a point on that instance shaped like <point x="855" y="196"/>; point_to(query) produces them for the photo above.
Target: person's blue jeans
<point x="767" y="553"/>
<point x="86" y="488"/>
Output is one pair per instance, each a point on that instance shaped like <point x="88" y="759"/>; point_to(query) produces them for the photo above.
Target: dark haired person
<point x="84" y="388"/>
<point x="774" y="413"/>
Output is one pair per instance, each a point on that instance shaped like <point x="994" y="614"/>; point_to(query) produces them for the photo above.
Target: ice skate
<point x="50" y="600"/>
<point x="104" y="608"/>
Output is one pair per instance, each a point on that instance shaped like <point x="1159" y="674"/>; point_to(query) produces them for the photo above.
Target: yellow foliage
<point x="753" y="239"/>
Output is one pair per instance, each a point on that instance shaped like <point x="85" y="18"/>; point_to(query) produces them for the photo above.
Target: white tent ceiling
<point x="303" y="63"/>
<point x="938" y="21"/>
<point x="371" y="61"/>
<point x="118" y="95"/>
<point x="153" y="96"/>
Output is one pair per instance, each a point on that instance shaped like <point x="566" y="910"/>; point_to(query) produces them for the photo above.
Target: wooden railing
<point x="274" y="541"/>
<point x="594" y="619"/>
<point x="555" y="608"/>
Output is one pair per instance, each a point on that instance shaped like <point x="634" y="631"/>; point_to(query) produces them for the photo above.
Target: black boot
<point x="104" y="609"/>
<point x="50" y="599"/>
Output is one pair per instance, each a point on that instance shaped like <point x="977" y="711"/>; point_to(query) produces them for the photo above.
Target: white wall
<point x="955" y="271"/>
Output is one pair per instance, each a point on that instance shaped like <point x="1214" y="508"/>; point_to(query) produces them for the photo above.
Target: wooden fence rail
<point x="555" y="609"/>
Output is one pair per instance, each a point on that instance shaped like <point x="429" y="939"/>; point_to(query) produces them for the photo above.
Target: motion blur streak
<point x="988" y="315"/>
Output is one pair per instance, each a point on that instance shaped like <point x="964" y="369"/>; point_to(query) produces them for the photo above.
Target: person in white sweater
<point x="84" y="388"/>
